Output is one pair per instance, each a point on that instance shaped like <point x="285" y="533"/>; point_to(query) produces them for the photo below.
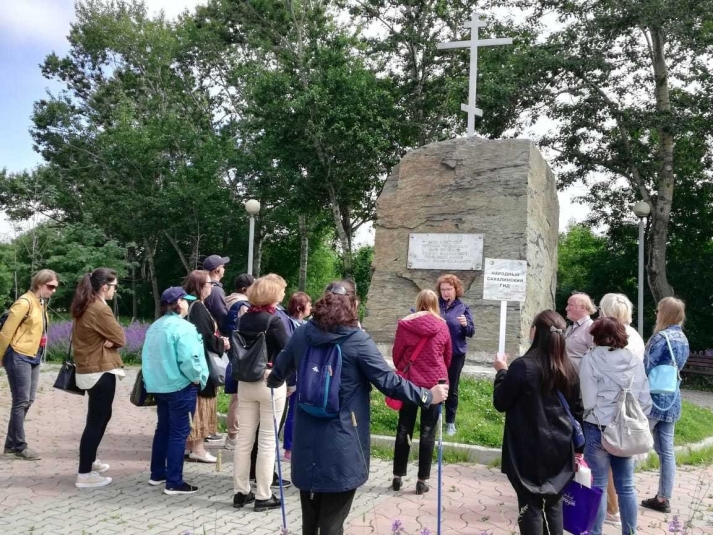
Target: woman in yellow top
<point x="22" y="342"/>
<point x="96" y="338"/>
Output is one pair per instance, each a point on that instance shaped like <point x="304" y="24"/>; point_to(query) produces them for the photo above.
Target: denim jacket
<point x="657" y="353"/>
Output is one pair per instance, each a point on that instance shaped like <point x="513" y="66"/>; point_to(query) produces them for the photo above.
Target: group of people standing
<point x="582" y="369"/>
<point x="578" y="369"/>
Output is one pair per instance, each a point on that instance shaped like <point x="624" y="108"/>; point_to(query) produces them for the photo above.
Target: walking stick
<point x="279" y="464"/>
<point x="440" y="458"/>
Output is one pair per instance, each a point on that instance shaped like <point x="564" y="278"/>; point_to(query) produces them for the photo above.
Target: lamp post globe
<point x="252" y="207"/>
<point x="642" y="209"/>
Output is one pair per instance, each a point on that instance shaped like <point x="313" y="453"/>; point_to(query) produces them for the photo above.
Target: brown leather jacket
<point x="96" y="326"/>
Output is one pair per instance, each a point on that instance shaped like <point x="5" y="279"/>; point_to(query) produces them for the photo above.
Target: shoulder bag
<point x="395" y="403"/>
<point x="665" y="378"/>
<point x="67" y="376"/>
<point x="139" y="396"/>
<point x="217" y="364"/>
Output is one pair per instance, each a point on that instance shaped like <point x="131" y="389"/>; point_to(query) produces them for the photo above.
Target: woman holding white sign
<point x="461" y="326"/>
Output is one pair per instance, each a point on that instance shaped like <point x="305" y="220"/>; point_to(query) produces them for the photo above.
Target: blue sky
<point x="32" y="29"/>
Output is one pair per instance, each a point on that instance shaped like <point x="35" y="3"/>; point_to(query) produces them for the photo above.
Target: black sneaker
<point x="396" y="483"/>
<point x="265" y="505"/>
<point x="286" y="483"/>
<point x="656" y="505"/>
<point x="241" y="500"/>
<point x="214" y="438"/>
<point x="183" y="489"/>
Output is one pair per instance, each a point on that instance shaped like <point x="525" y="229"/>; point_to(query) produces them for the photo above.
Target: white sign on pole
<point x="446" y="251"/>
<point x="504" y="280"/>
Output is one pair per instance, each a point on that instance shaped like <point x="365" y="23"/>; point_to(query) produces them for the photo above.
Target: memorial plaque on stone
<point x="453" y="252"/>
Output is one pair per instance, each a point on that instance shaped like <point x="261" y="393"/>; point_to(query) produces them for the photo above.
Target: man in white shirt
<point x="578" y="340"/>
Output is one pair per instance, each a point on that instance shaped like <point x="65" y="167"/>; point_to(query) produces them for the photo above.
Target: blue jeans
<point x="172" y="431"/>
<point x="23" y="378"/>
<point x="599" y="460"/>
<point x="663" y="444"/>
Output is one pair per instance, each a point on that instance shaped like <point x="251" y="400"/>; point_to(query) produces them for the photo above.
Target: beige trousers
<point x="255" y="407"/>
<point x="232" y="417"/>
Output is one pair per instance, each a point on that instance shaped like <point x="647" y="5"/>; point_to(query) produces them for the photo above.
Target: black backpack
<point x="4" y="315"/>
<point x="248" y="354"/>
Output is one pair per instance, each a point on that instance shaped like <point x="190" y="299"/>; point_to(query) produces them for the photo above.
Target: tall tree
<point x="627" y="83"/>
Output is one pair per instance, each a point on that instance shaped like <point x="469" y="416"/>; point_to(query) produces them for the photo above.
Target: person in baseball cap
<point x="174" y="293"/>
<point x="214" y="261"/>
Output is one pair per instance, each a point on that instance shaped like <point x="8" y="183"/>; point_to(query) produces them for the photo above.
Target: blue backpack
<point x="319" y="378"/>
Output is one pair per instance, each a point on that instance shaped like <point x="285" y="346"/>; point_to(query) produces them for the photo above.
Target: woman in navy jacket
<point x="461" y="326"/>
<point x="330" y="457"/>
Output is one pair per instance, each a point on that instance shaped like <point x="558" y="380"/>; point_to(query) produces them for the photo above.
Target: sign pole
<point x="503" y="316"/>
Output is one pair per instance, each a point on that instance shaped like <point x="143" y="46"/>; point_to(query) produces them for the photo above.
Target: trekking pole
<point x="279" y="464"/>
<point x="440" y="458"/>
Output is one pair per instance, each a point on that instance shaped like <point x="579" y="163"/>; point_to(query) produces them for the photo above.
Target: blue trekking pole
<point x="279" y="464"/>
<point x="440" y="458"/>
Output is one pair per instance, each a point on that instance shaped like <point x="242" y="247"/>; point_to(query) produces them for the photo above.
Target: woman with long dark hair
<point x="538" y="453"/>
<point x="330" y="457"/>
<point x="205" y="419"/>
<point x="96" y="339"/>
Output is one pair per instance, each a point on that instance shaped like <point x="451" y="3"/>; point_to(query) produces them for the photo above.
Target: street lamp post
<point x="641" y="210"/>
<point x="252" y="207"/>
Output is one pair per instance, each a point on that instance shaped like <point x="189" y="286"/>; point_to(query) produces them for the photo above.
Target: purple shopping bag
<point x="580" y="505"/>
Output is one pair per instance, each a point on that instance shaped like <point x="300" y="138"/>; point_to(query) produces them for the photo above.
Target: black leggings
<point x="101" y="397"/>
<point x="538" y="514"/>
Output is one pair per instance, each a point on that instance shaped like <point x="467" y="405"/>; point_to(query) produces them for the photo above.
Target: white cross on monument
<point x="474" y="23"/>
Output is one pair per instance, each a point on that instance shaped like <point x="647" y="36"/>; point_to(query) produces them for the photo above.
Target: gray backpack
<point x="628" y="433"/>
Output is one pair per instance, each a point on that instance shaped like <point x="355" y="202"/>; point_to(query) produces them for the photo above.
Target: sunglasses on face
<point x="52" y="287"/>
<point x="114" y="284"/>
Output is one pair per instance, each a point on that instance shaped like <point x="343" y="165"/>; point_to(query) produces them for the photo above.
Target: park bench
<point x="700" y="363"/>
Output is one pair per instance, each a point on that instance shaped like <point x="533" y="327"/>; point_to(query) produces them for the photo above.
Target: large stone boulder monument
<point x="500" y="195"/>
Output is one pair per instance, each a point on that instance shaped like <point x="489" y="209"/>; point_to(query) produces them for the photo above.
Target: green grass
<point x="696" y="423"/>
<point x="702" y="457"/>
<point x="479" y="423"/>
<point x="449" y="454"/>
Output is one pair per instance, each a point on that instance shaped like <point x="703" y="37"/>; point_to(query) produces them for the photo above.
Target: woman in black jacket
<point x="538" y="453"/>
<point x="205" y="419"/>
<point x="330" y="457"/>
<point x="255" y="399"/>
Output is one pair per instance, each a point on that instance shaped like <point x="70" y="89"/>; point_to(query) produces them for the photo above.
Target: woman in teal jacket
<point x="174" y="370"/>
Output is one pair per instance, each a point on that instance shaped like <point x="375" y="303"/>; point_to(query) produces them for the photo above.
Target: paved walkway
<point x="40" y="498"/>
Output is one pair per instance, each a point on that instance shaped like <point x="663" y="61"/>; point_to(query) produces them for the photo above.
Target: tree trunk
<point x="661" y="209"/>
<point x="181" y="256"/>
<point x="134" y="297"/>
<point x="150" y="253"/>
<point x="341" y="233"/>
<point x="304" y="253"/>
<point x="257" y="256"/>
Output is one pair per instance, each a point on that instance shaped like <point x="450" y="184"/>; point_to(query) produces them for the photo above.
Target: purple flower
<point x="675" y="526"/>
<point x="135" y="334"/>
<point x="58" y="335"/>
<point x="425" y="531"/>
<point x="397" y="527"/>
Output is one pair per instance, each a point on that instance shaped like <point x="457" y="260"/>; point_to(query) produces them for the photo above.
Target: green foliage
<point x="696" y="424"/>
<point x="362" y="270"/>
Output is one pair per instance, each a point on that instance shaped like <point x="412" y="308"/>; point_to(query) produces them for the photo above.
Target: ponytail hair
<point x="88" y="289"/>
<point x="548" y="349"/>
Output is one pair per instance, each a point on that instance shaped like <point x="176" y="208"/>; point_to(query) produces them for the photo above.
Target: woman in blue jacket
<point x="667" y="345"/>
<point x="174" y="369"/>
<point x="330" y="457"/>
<point x="460" y="324"/>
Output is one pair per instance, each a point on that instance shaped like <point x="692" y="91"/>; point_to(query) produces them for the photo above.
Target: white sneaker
<point x="450" y="429"/>
<point x="230" y="443"/>
<point x="91" y="480"/>
<point x="613" y="520"/>
<point x="99" y="467"/>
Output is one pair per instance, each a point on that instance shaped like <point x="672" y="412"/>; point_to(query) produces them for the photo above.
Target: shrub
<point x="59" y="335"/>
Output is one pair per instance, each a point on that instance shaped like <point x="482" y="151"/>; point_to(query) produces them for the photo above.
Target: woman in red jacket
<point x="422" y="352"/>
